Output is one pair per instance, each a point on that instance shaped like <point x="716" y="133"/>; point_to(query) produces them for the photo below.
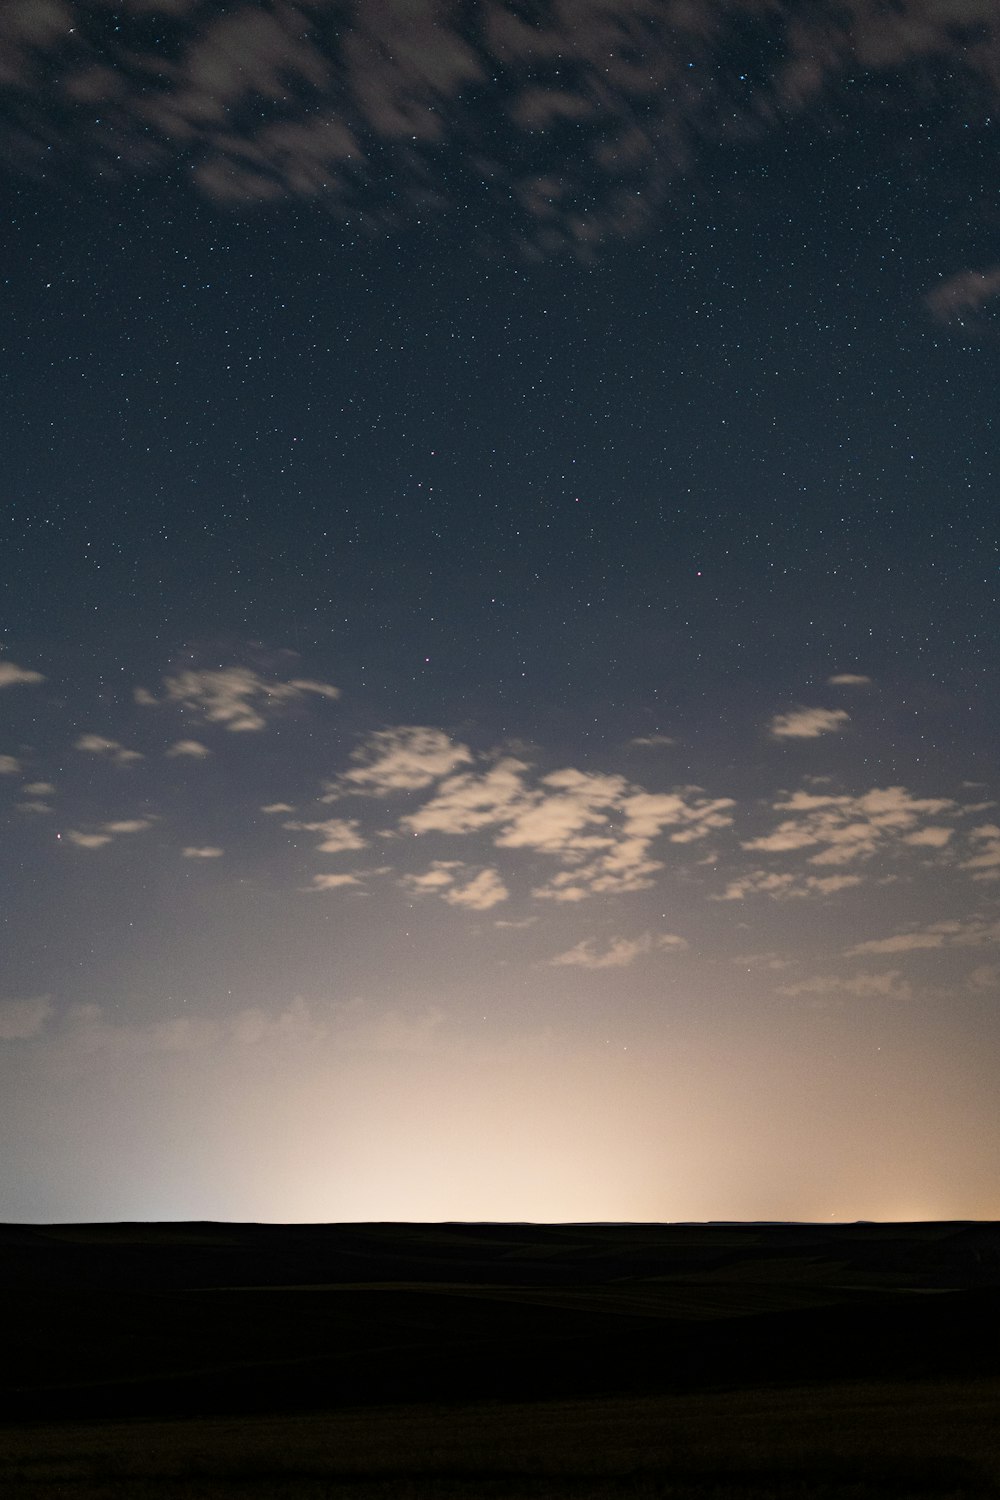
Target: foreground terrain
<point x="210" y="1360"/>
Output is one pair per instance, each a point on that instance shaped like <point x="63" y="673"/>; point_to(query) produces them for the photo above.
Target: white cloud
<point x="20" y="1020"/>
<point x="98" y="744"/>
<point x="963" y="294"/>
<point x="653" y="741"/>
<point x="337" y="834"/>
<point x="841" y="829"/>
<point x="331" y="882"/>
<point x="619" y="952"/>
<point x="889" y="985"/>
<point x="968" y="932"/>
<point x="277" y="807"/>
<point x="932" y="837"/>
<point x="984" y="861"/>
<point x="599" y="827"/>
<point x="207" y="851"/>
<point x="88" y="840"/>
<point x="39" y="789"/>
<point x="808" y="723"/>
<point x="405" y="758"/>
<point x="32" y="806"/>
<point x="105" y="832"/>
<point x="11" y="674"/>
<point x="449" y="879"/>
<point x="9" y="765"/>
<point x="194" y="749"/>
<point x="238" y="698"/>
<point x="848" y="679"/>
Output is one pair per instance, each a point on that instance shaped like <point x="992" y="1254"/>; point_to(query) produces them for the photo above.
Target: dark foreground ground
<point x="764" y="1362"/>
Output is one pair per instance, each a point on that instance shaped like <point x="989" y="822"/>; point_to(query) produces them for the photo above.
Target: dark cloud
<point x="579" y="113"/>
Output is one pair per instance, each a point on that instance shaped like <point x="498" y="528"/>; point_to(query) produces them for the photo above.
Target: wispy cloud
<point x="332" y="882"/>
<point x="808" y="723"/>
<point x="336" y="834"/>
<point x="453" y="882"/>
<point x="848" y="679"/>
<point x="619" y="952"/>
<point x="406" y="758"/>
<point x="98" y="744"/>
<point x="966" y="932"/>
<point x="191" y="749"/>
<point x="11" y="675"/>
<point x="888" y="985"/>
<point x="236" y="698"/>
<point x="20" y="1020"/>
<point x="9" y="765"/>
<point x="104" y="833"/>
<point x="842" y="829"/>
<point x="205" y="851"/>
<point x="962" y="295"/>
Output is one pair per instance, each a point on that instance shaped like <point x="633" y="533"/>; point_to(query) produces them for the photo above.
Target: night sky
<point x="498" y="640"/>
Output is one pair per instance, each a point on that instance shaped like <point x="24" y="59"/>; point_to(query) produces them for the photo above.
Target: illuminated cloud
<point x="39" y="789"/>
<point x="808" y="723"/>
<point x="652" y="741"/>
<point x="106" y="832"/>
<point x="331" y="882"/>
<point x="600" y="827"/>
<point x="619" y="952"/>
<point x="98" y="744"/>
<point x="967" y="932"/>
<point x="406" y="758"/>
<point x="984" y="862"/>
<point x="20" y="1020"/>
<point x="271" y="808"/>
<point x="237" y="698"/>
<point x="889" y="985"/>
<point x="848" y="679"/>
<point x="207" y="851"/>
<point x="785" y="886"/>
<point x="191" y="749"/>
<point x="842" y="829"/>
<point x="11" y="674"/>
<point x="9" y="765"/>
<point x="336" y="834"/>
<point x="450" y="880"/>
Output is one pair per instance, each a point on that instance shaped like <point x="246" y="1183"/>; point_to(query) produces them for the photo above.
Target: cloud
<point x="785" y="886"/>
<point x="193" y="749"/>
<point x="331" y="882"/>
<point x="619" y="952"/>
<point x="968" y="932"/>
<point x="97" y="744"/>
<point x="207" y="851"/>
<point x="406" y="758"/>
<point x="962" y="295"/>
<point x="848" y="679"/>
<point x="808" y="723"/>
<point x="9" y="765"/>
<point x="237" y="698"/>
<point x="984" y="861"/>
<point x="888" y="985"/>
<point x="20" y="1020"/>
<point x="39" y="789"/>
<point x="106" y="832"/>
<point x="600" y="827"/>
<point x="842" y="829"/>
<point x="11" y="675"/>
<point x="652" y="741"/>
<point x="450" y="880"/>
<point x="32" y="806"/>
<point x="277" y="807"/>
<point x="337" y="834"/>
<point x="88" y="840"/>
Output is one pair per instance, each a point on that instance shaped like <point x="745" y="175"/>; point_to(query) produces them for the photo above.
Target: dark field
<point x="211" y="1360"/>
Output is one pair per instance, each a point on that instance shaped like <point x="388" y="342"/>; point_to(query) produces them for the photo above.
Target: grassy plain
<point x="362" y="1362"/>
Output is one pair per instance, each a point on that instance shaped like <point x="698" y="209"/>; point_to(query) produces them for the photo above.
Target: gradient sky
<point x="498" y="660"/>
